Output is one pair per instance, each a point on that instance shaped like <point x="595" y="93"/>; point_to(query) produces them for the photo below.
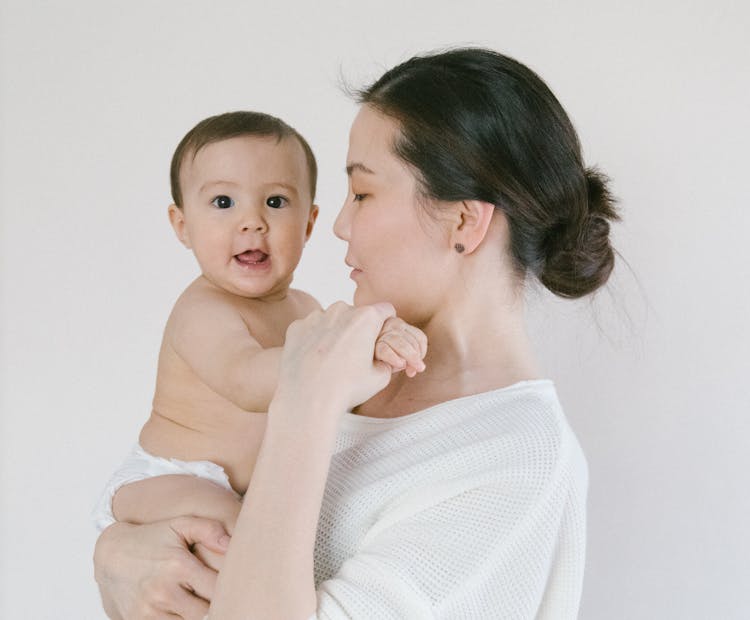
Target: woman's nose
<point x="342" y="224"/>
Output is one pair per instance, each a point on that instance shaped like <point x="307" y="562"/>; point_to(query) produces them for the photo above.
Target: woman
<point x="459" y="493"/>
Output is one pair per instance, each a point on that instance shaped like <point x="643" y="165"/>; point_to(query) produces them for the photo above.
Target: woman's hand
<point x="328" y="357"/>
<point x="148" y="571"/>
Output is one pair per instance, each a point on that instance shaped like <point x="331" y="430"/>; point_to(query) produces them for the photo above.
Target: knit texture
<point x="471" y="509"/>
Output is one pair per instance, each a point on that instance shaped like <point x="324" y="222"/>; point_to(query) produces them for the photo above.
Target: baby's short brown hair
<point x="233" y="125"/>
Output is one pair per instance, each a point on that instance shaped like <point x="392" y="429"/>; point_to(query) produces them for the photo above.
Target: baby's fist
<point x="401" y="346"/>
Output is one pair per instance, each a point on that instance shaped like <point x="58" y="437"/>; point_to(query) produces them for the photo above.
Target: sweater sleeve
<point x="505" y="549"/>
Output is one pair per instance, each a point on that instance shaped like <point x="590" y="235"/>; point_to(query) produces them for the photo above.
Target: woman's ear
<point x="470" y="227"/>
<point x="177" y="219"/>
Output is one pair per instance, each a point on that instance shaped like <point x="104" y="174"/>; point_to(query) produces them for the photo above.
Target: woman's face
<point x="397" y="252"/>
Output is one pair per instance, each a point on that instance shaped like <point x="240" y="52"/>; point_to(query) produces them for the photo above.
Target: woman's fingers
<point x="209" y="533"/>
<point x="329" y="354"/>
<point x="148" y="571"/>
<point x="385" y="310"/>
<point x="182" y="585"/>
<point x="188" y="606"/>
<point x="209" y="558"/>
<point x="198" y="578"/>
<point x="194" y="575"/>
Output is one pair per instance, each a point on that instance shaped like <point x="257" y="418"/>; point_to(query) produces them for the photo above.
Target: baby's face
<point x="247" y="213"/>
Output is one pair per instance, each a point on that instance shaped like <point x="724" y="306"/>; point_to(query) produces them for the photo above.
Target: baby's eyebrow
<point x="357" y="166"/>
<point x="287" y="186"/>
<point x="208" y="184"/>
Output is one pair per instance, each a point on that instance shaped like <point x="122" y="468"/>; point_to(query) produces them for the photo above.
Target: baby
<point x="243" y="185"/>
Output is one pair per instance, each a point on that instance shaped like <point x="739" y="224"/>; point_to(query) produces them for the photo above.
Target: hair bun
<point x="581" y="266"/>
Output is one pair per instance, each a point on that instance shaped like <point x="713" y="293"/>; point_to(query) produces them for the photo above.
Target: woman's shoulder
<point x="510" y="446"/>
<point x="524" y="407"/>
<point x="521" y="427"/>
<point x="479" y="438"/>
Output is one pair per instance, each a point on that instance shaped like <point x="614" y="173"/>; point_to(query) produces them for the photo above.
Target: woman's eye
<point x="276" y="202"/>
<point x="223" y="202"/>
<point x="359" y="197"/>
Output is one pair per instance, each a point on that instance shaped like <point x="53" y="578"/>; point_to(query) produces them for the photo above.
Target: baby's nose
<point x="253" y="223"/>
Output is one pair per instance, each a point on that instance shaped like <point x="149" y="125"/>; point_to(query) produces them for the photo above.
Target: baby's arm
<point x="210" y="335"/>
<point x="213" y="339"/>
<point x="400" y="345"/>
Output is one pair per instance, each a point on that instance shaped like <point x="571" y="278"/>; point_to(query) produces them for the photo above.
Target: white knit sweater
<point x="471" y="509"/>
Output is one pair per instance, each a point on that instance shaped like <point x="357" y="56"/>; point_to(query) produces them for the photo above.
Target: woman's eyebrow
<point x="357" y="166"/>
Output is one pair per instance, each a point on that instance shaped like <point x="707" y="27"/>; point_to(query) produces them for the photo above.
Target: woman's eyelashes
<point x="359" y="197"/>
<point x="223" y="202"/>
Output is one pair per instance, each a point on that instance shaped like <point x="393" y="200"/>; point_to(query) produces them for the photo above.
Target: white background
<point x="653" y="373"/>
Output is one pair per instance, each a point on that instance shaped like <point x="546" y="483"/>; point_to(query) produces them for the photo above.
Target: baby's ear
<point x="311" y="221"/>
<point x="177" y="219"/>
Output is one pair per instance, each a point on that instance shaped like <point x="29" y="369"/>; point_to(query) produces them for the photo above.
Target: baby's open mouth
<point x="251" y="257"/>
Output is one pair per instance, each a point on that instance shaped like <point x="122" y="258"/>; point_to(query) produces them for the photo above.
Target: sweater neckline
<point x="353" y="421"/>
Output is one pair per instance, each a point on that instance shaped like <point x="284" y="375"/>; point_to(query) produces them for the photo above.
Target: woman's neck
<point x="474" y="346"/>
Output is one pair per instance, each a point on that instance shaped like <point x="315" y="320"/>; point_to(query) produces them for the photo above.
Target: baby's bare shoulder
<point x="201" y="291"/>
<point x="202" y="303"/>
<point x="306" y="302"/>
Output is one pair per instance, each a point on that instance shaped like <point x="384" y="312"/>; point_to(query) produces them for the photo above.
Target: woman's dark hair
<point x="477" y="125"/>
<point x="234" y="125"/>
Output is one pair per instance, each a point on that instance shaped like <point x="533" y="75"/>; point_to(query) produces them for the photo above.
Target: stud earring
<point x="459" y="247"/>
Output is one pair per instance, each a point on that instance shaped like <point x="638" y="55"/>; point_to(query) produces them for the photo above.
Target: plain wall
<point x="653" y="372"/>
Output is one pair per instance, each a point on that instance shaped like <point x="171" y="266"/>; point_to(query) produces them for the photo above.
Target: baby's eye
<point x="223" y="202"/>
<point x="276" y="202"/>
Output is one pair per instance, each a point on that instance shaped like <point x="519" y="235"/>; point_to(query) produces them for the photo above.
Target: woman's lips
<point x="355" y="272"/>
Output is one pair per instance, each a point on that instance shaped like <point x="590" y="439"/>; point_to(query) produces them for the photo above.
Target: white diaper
<point x="139" y="465"/>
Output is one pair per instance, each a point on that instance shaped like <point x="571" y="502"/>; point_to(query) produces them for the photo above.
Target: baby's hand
<point x="401" y="346"/>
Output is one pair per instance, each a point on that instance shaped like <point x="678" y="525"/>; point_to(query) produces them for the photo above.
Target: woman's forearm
<point x="170" y="496"/>
<point x="327" y="366"/>
<point x="268" y="570"/>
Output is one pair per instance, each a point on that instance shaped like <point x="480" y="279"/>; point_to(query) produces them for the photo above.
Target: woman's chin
<point x="363" y="298"/>
<point x="360" y="299"/>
